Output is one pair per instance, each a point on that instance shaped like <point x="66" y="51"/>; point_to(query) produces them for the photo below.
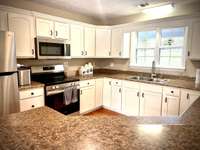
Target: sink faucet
<point x="153" y="69"/>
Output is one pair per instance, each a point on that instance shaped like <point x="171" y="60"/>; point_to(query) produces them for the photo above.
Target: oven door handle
<point x="48" y="93"/>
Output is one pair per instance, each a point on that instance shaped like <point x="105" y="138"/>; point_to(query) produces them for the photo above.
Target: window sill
<point x="177" y="69"/>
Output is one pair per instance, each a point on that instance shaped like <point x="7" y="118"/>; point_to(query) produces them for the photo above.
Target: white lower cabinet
<point x="171" y="101"/>
<point x="188" y="97"/>
<point x="107" y="92"/>
<point x="150" y="104"/>
<point x="30" y="99"/>
<point x="87" y="96"/>
<point x="99" y="93"/>
<point x="130" y="99"/>
<point x="116" y="98"/>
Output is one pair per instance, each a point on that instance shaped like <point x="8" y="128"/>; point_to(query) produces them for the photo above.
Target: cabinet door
<point x="23" y="27"/>
<point x="31" y="103"/>
<point x="87" y="99"/>
<point x="77" y="49"/>
<point x="99" y="92"/>
<point x="188" y="97"/>
<point x="150" y="103"/>
<point x="3" y="21"/>
<point x="130" y="101"/>
<point x="116" y="43"/>
<point x="170" y="106"/>
<point x="103" y="38"/>
<point x="107" y="92"/>
<point x="44" y="28"/>
<point x="116" y="99"/>
<point x="195" y="53"/>
<point x="61" y="30"/>
<point x="89" y="42"/>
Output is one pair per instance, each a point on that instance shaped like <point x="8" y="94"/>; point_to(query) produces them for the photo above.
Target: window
<point x="167" y="49"/>
<point x="145" y="47"/>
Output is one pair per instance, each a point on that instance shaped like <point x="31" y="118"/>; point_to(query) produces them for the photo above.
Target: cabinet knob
<point x="88" y="83"/>
<point x="188" y="96"/>
<point x="165" y="99"/>
<point x="33" y="52"/>
<point x="172" y="92"/>
<point x="33" y="106"/>
<point x="32" y="93"/>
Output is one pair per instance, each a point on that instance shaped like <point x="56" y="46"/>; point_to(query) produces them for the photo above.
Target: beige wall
<point x="28" y="5"/>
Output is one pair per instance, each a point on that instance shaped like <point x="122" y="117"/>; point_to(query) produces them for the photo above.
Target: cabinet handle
<point x="142" y="94"/>
<point x="109" y="53"/>
<point x="85" y="52"/>
<point x="138" y="94"/>
<point x="120" y="90"/>
<point x="120" y="53"/>
<point x="81" y="92"/>
<point x="33" y="52"/>
<point x="33" y="106"/>
<point x="188" y="96"/>
<point x="165" y="99"/>
<point x="32" y="93"/>
<point x="51" y="32"/>
<point x="56" y="33"/>
<point x="109" y="82"/>
<point x="82" y="52"/>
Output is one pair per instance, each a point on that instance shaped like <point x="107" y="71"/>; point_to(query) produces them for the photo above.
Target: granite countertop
<point x="179" y="83"/>
<point x="33" y="84"/>
<point x="44" y="128"/>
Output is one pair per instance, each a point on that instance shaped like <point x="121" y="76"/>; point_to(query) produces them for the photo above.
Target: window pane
<point x="140" y="52"/>
<point x="172" y="37"/>
<point x="177" y="52"/>
<point x="150" y="52"/>
<point x="176" y="61"/>
<point x="164" y="61"/>
<point x="147" y="39"/>
<point x="164" y="52"/>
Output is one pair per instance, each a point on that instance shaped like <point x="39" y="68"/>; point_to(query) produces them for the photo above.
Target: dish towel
<point x="68" y="95"/>
<point x="74" y="94"/>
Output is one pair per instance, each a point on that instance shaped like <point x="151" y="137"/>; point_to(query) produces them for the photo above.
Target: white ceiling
<point x="104" y="9"/>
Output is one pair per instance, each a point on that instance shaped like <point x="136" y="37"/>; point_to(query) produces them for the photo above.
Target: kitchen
<point x="121" y="75"/>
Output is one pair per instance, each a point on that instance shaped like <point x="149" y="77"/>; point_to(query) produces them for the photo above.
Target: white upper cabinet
<point x="61" y="30"/>
<point x="89" y="42"/>
<point x="52" y="29"/>
<point x="120" y="43"/>
<point x="116" y="42"/>
<point x="3" y="21"/>
<point x="77" y="43"/>
<point x="103" y="42"/>
<point x="24" y="28"/>
<point x="45" y="28"/>
<point x="195" y="51"/>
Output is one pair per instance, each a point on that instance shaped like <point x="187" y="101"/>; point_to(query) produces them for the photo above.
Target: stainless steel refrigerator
<point x="9" y="95"/>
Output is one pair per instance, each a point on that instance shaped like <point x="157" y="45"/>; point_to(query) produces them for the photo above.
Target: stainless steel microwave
<point x="53" y="49"/>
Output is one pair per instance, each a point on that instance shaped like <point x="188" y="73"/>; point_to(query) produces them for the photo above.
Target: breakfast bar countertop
<point x="44" y="128"/>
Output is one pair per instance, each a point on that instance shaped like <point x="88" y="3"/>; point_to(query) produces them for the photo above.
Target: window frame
<point x="134" y="42"/>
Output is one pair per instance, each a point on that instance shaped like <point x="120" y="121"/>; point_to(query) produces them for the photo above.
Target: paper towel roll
<point x="197" y="76"/>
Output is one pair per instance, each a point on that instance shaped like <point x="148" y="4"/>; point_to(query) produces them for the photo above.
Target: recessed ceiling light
<point x="161" y="10"/>
<point x="143" y="5"/>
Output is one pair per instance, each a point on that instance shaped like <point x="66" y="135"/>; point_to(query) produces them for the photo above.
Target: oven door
<point x="56" y="99"/>
<point x="53" y="49"/>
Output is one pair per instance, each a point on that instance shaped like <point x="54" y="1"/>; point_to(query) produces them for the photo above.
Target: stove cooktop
<point x="53" y="78"/>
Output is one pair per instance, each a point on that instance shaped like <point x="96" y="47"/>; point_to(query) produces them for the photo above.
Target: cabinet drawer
<point x="151" y="88"/>
<point x="87" y="83"/>
<point x="171" y="91"/>
<point x="116" y="82"/>
<point x="131" y="84"/>
<point x="31" y="93"/>
<point x="31" y="103"/>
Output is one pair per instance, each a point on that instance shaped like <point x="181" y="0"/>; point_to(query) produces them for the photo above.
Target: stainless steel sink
<point x="143" y="78"/>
